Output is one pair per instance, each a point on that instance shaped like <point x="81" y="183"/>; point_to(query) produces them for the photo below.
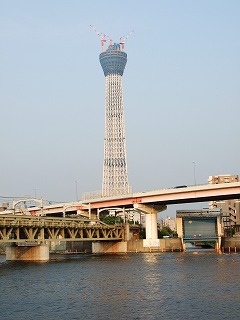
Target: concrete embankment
<point x="166" y="245"/>
<point x="228" y="245"/>
<point x="231" y="243"/>
<point x="134" y="245"/>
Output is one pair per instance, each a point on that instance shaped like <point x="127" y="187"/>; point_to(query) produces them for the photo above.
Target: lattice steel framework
<point x="115" y="175"/>
<point x="20" y="228"/>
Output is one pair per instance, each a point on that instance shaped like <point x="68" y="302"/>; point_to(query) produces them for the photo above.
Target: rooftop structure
<point x="225" y="178"/>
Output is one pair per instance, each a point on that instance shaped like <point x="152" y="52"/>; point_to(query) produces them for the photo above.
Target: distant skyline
<point x="181" y="94"/>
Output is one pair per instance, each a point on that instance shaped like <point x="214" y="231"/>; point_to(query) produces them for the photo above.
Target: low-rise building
<point x="230" y="208"/>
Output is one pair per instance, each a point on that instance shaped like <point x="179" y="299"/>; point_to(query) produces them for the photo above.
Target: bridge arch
<point x="39" y="201"/>
<point x="65" y="207"/>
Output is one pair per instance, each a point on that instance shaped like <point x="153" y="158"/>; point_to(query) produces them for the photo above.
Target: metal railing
<point x="200" y="236"/>
<point x="99" y="194"/>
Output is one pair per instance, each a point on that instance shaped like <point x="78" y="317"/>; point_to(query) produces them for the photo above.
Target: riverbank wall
<point x="231" y="243"/>
<point x="166" y="245"/>
<point x="133" y="245"/>
<point x="228" y="244"/>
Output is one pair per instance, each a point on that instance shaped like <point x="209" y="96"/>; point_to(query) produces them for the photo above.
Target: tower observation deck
<point x="115" y="174"/>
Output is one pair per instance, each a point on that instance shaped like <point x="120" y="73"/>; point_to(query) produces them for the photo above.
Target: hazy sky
<point x="181" y="93"/>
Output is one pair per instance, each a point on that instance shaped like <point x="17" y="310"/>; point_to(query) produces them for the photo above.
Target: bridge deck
<point x="89" y="206"/>
<point x="202" y="193"/>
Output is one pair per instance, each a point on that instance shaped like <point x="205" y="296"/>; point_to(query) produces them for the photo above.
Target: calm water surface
<point x="191" y="285"/>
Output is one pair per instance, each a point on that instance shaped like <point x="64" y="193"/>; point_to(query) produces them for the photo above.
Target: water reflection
<point x="151" y="257"/>
<point x="129" y="286"/>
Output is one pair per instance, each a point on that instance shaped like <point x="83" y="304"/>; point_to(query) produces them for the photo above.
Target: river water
<point x="190" y="285"/>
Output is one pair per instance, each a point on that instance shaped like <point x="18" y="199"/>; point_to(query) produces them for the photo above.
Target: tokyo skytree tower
<point x="115" y="174"/>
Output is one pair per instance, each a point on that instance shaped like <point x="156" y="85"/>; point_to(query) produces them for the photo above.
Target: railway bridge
<point x="28" y="237"/>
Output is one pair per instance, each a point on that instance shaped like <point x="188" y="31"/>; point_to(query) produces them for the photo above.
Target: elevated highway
<point x="155" y="199"/>
<point x="149" y="203"/>
<point x="200" y="193"/>
<point x="153" y="202"/>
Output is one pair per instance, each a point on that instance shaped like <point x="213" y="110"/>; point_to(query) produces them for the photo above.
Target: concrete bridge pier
<point x="109" y="247"/>
<point x="27" y="252"/>
<point x="151" y="223"/>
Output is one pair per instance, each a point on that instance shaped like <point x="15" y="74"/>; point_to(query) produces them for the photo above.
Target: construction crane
<point x="102" y="37"/>
<point x="123" y="39"/>
<point x="110" y="41"/>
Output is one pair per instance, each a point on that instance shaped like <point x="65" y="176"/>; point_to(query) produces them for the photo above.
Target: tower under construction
<point x="115" y="173"/>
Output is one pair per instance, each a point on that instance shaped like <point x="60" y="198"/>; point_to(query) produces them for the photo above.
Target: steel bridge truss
<point x="18" y="229"/>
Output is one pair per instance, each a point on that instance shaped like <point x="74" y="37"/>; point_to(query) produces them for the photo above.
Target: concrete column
<point x="27" y="253"/>
<point x="126" y="232"/>
<point x="151" y="223"/>
<point x="151" y="226"/>
<point x="179" y="227"/>
<point x="219" y="231"/>
<point x="151" y="231"/>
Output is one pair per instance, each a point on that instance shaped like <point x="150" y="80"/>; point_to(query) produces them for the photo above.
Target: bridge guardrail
<point x="200" y="236"/>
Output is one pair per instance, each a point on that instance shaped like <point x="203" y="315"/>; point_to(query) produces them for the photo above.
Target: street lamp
<point x="194" y="172"/>
<point x="76" y="183"/>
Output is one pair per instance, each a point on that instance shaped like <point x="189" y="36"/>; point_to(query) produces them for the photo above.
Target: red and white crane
<point x="102" y="37"/>
<point x="124" y="39"/>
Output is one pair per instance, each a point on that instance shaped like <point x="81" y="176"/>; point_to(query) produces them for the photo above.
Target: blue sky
<point x="181" y="93"/>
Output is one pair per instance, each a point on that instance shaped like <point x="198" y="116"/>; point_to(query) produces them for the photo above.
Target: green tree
<point x="164" y="231"/>
<point x="111" y="219"/>
<point x="142" y="233"/>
